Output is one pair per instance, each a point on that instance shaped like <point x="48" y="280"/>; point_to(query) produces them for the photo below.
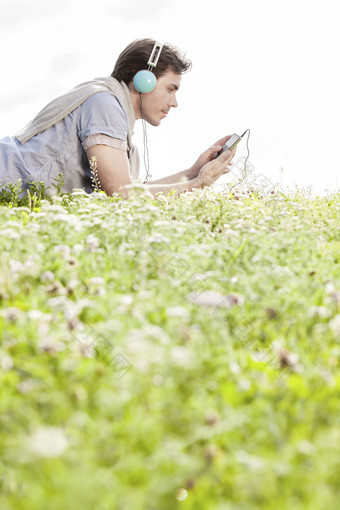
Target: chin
<point x="154" y="122"/>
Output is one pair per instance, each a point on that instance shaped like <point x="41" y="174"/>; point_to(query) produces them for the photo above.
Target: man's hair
<point x="136" y="55"/>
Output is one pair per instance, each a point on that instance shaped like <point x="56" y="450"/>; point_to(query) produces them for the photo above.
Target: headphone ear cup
<point x="144" y="81"/>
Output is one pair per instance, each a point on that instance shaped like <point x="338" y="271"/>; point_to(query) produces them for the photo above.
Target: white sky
<point x="271" y="66"/>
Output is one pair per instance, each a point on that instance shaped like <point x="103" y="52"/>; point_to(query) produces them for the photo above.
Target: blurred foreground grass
<point x="178" y="353"/>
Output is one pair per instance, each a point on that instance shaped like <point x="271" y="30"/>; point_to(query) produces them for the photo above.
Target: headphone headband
<point x="155" y="54"/>
<point x="145" y="81"/>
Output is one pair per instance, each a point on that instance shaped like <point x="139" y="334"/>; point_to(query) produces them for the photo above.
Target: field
<point x="171" y="353"/>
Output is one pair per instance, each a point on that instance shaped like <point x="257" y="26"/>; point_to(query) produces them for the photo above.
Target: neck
<point x="135" y="99"/>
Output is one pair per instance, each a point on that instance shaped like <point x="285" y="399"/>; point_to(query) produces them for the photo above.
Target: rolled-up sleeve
<point x="92" y="140"/>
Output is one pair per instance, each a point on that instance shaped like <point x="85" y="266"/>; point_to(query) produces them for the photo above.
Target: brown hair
<point x="136" y="55"/>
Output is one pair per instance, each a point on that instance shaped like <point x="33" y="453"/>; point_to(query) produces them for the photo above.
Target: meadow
<point x="171" y="353"/>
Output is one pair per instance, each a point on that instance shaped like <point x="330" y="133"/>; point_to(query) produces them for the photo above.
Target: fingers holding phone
<point x="230" y="144"/>
<point x="215" y="168"/>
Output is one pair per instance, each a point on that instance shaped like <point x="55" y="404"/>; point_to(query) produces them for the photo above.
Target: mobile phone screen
<point x="232" y="142"/>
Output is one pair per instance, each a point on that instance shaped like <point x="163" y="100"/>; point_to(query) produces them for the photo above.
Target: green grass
<point x="178" y="353"/>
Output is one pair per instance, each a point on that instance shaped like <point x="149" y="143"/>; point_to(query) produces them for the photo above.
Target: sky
<point x="270" y="66"/>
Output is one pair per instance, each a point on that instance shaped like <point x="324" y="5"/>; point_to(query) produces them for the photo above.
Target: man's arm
<point x="185" y="175"/>
<point x="114" y="175"/>
<point x="112" y="167"/>
<point x="194" y="170"/>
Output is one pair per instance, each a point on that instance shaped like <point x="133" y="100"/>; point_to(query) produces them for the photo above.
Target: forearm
<point x="166" y="189"/>
<point x="179" y="177"/>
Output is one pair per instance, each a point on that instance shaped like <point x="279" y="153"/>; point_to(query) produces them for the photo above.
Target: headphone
<point x="145" y="81"/>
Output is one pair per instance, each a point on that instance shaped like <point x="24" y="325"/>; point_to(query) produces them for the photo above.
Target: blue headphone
<point x="145" y="81"/>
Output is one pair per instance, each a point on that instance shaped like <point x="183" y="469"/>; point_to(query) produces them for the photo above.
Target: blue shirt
<point x="60" y="149"/>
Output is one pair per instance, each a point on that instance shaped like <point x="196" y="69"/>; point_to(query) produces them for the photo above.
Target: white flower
<point x="97" y="280"/>
<point x="234" y="367"/>
<point x="71" y="219"/>
<point x="335" y="325"/>
<point x="181" y="494"/>
<point x="6" y="362"/>
<point x="319" y="311"/>
<point x="126" y="299"/>
<point x="251" y="461"/>
<point x="334" y="296"/>
<point x="79" y="192"/>
<point x="77" y="248"/>
<point x="158" y="380"/>
<point x="35" y="315"/>
<point x="48" y="442"/>
<point x="11" y="314"/>
<point x="206" y="298"/>
<point x="64" y="250"/>
<point x="100" y="291"/>
<point x="9" y="233"/>
<point x="215" y="298"/>
<point x="84" y="346"/>
<point x="305" y="447"/>
<point x="47" y="276"/>
<point x="92" y="242"/>
<point x="157" y="333"/>
<point x="16" y="266"/>
<point x="178" y="311"/>
<point x="50" y="345"/>
<point x="55" y="199"/>
<point x="26" y="386"/>
<point x="46" y="206"/>
<point x="181" y="356"/>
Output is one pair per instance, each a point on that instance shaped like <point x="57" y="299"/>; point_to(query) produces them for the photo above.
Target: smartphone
<point x="231" y="143"/>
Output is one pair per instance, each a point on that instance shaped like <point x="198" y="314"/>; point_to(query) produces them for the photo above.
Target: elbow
<point x="115" y="190"/>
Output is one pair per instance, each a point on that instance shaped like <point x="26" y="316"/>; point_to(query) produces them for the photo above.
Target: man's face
<point x="156" y="104"/>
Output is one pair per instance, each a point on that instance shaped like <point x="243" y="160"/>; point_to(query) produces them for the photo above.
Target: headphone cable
<point x="145" y="143"/>
<point x="245" y="162"/>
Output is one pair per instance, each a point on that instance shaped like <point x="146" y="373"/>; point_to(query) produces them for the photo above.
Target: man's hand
<point x="207" y="156"/>
<point x="212" y="170"/>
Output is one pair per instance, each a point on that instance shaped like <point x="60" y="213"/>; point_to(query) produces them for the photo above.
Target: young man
<point x="96" y="120"/>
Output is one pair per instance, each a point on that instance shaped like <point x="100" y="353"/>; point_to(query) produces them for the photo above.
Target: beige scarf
<point x="62" y="106"/>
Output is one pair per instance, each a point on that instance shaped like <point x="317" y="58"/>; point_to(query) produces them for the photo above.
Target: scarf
<point x="62" y="106"/>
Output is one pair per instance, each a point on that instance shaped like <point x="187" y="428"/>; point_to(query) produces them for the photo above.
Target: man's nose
<point x="174" y="102"/>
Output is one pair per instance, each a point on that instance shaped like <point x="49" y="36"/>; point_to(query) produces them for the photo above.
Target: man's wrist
<point x="191" y="173"/>
<point x="197" y="183"/>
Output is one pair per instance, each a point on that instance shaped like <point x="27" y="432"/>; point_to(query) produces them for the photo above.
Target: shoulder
<point x="102" y="100"/>
<point x="104" y="105"/>
<point x="103" y="113"/>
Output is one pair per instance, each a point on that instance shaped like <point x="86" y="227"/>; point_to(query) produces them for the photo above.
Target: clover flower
<point x="48" y="442"/>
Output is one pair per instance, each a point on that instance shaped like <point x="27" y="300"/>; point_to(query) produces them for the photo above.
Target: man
<point x="94" y="123"/>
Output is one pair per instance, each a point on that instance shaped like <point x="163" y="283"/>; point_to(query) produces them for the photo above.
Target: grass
<point x="178" y="353"/>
